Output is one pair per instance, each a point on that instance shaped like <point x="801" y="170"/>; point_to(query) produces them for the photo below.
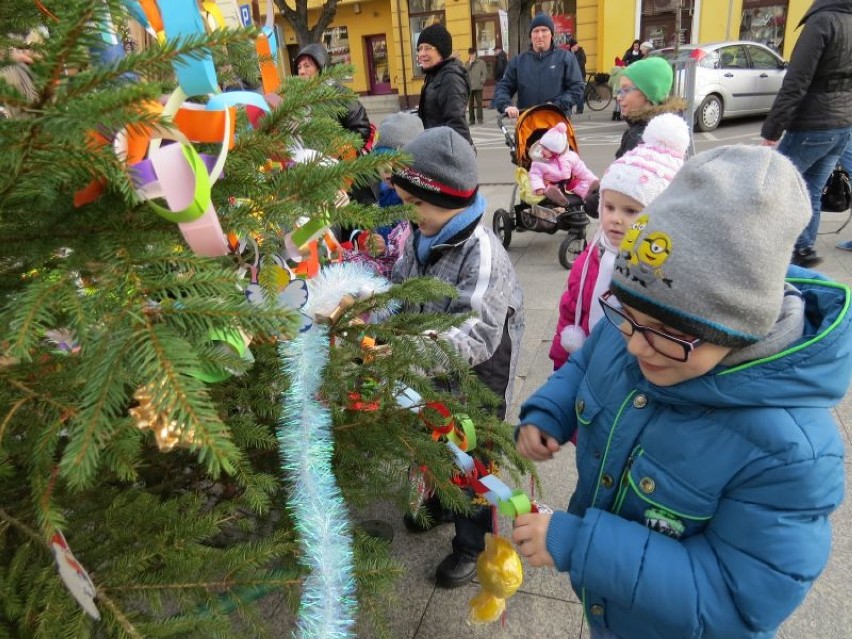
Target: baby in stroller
<point x="556" y="170"/>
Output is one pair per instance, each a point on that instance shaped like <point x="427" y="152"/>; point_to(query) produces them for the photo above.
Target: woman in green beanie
<point x="644" y="89"/>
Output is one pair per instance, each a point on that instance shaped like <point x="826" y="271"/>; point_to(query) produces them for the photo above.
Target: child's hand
<point x="375" y="245"/>
<point x="539" y="191"/>
<point x="530" y="536"/>
<point x="535" y="444"/>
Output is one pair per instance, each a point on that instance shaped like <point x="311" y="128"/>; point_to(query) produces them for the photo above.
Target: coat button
<point x="647" y="485"/>
<point x="581" y="406"/>
<point x="606" y="481"/>
<point x="596" y="609"/>
<point x="596" y="454"/>
<point x="640" y="401"/>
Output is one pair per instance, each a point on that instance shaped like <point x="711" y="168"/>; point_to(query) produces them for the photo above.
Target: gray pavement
<point x="545" y="606"/>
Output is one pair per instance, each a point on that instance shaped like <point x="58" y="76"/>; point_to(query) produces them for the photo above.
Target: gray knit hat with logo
<point x="709" y="255"/>
<point x="397" y="130"/>
<point x="443" y="172"/>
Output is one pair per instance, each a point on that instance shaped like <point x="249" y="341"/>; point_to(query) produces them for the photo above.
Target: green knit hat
<point x="653" y="77"/>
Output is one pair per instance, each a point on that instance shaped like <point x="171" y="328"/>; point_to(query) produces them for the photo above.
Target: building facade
<point x="379" y="37"/>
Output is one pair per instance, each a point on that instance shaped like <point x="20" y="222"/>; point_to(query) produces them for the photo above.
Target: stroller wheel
<point x="570" y="248"/>
<point x="502" y="224"/>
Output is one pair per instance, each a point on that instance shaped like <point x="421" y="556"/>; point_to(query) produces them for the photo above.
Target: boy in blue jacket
<point x="707" y="456"/>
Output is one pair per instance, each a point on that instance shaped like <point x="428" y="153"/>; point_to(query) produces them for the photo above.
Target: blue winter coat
<point x="539" y="78"/>
<point x="701" y="509"/>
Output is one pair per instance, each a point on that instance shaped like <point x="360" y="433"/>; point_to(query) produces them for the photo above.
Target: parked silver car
<point x="732" y="79"/>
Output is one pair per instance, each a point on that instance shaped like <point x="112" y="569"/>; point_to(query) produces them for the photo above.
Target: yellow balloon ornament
<point x="500" y="574"/>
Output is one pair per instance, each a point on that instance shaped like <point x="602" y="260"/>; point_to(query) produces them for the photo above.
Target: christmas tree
<point x="143" y="383"/>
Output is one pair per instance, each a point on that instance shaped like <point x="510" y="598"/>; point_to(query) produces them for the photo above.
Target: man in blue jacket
<point x="541" y="75"/>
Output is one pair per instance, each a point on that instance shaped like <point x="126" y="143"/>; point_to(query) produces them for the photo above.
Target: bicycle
<point x="598" y="93"/>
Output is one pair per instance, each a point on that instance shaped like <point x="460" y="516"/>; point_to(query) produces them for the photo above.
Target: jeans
<point x="815" y="154"/>
<point x="475" y="97"/>
<point x="846" y="159"/>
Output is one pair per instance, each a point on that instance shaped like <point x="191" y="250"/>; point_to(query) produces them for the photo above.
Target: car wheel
<point x="709" y="114"/>
<point x="502" y="224"/>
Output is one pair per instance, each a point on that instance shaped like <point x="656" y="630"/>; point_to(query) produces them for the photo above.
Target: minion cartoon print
<point x="644" y="258"/>
<point x="628" y="243"/>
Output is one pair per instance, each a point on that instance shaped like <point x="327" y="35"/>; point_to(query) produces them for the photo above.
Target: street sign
<point x="245" y="14"/>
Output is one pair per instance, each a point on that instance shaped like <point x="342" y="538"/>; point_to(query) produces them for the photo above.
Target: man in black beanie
<point x="443" y="98"/>
<point x="544" y="74"/>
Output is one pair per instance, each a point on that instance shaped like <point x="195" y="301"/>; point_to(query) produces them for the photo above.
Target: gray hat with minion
<point x="708" y="256"/>
<point x="443" y="171"/>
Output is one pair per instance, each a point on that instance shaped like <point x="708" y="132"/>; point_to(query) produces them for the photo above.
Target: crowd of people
<point x="696" y="362"/>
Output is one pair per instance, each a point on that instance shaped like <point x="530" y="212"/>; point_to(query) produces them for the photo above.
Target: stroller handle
<point x="507" y="134"/>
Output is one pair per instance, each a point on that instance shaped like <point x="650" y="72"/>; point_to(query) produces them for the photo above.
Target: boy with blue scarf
<point x="447" y="242"/>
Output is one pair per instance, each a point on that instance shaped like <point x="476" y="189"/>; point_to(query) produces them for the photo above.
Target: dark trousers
<point x="470" y="530"/>
<point x="475" y="96"/>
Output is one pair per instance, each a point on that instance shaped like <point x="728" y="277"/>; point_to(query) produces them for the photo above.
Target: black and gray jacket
<point x="817" y="90"/>
<point x="476" y="264"/>
<point x="355" y="117"/>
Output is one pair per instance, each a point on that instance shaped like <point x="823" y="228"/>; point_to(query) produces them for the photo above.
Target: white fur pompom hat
<point x="644" y="172"/>
<point x="556" y="139"/>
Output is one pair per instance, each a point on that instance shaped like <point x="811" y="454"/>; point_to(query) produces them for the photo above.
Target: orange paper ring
<point x="201" y="125"/>
<point x="152" y="12"/>
<point x="268" y="72"/>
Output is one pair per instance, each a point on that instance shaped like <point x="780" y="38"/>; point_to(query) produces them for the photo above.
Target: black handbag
<point x="837" y="192"/>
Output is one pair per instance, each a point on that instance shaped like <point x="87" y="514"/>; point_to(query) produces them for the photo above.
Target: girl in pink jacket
<point x="558" y="167"/>
<point x="627" y="187"/>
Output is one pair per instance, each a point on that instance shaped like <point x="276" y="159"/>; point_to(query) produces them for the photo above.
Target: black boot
<point x="456" y="570"/>
<point x="435" y="515"/>
<point x="806" y="257"/>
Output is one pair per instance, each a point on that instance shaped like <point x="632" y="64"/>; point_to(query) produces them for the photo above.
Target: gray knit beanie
<point x="443" y="172"/>
<point x="397" y="130"/>
<point x="708" y="256"/>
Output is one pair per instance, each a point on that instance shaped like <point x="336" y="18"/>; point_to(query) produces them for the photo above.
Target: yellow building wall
<point x="373" y="18"/>
<point x="615" y="32"/>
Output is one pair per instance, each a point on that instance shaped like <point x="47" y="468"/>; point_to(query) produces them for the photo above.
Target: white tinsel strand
<point x="328" y="604"/>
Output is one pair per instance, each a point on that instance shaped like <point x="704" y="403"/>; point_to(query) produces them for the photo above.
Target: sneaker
<point x="845" y="246"/>
<point x="805" y="257"/>
<point x="456" y="570"/>
<point x="436" y="515"/>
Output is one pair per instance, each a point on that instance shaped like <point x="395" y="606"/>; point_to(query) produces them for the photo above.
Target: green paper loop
<point x="201" y="198"/>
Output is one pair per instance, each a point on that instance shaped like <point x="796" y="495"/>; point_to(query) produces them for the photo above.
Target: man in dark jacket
<point x="443" y="98"/>
<point x="501" y="61"/>
<point x="541" y="75"/>
<point x="814" y="107"/>
<point x="312" y="60"/>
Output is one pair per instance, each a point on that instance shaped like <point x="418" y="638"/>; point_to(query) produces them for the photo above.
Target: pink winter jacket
<point x="567" y="166"/>
<point x="568" y="302"/>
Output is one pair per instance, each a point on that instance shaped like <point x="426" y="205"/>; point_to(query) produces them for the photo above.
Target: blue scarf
<point x="462" y="220"/>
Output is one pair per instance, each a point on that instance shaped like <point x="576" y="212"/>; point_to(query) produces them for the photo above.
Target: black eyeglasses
<point x="667" y="345"/>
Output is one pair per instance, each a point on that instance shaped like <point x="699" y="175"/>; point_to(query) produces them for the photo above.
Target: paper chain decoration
<point x="460" y="437"/>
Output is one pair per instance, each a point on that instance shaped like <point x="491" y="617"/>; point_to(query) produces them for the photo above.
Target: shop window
<point x="764" y="21"/>
<point x="563" y="13"/>
<point x="486" y="7"/>
<point x="420" y="22"/>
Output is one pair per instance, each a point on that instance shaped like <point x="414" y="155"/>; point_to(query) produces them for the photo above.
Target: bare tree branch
<point x="298" y="19"/>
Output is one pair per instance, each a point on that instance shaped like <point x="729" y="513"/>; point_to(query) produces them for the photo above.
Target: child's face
<point x="661" y="370"/>
<point x="618" y="212"/>
<point x="546" y="153"/>
<point x="430" y="218"/>
<point x="629" y="97"/>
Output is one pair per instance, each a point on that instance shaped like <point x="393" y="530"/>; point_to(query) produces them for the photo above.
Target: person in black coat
<point x="501" y="61"/>
<point x="580" y="55"/>
<point x="443" y="99"/>
<point x="312" y="60"/>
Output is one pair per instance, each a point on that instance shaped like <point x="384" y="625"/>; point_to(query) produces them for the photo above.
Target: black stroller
<point x="545" y="216"/>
